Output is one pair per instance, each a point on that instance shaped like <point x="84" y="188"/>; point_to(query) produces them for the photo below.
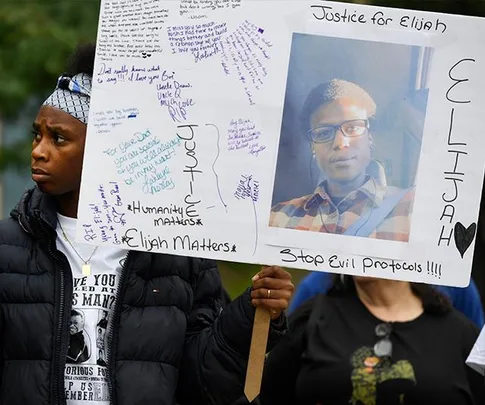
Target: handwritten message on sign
<point x="130" y="28"/>
<point x="330" y="136"/>
<point x="419" y="22"/>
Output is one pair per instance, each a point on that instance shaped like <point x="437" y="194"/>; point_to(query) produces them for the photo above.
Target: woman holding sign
<point x="153" y="326"/>
<point x="373" y="341"/>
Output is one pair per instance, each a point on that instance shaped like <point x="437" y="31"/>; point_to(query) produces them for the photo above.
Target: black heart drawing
<point x="464" y="237"/>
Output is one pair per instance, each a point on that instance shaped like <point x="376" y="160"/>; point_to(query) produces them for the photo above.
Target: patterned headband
<point x="72" y="95"/>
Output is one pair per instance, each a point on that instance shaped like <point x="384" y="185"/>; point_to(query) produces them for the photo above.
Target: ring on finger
<point x="269" y="293"/>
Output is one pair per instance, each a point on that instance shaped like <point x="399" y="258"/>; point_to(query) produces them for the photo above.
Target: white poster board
<point x="197" y="129"/>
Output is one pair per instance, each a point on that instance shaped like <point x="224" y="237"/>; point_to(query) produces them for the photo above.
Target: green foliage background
<point x="37" y="36"/>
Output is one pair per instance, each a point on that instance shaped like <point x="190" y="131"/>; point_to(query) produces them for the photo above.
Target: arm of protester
<point x="475" y="379"/>
<point x="217" y="343"/>
<point x="283" y="363"/>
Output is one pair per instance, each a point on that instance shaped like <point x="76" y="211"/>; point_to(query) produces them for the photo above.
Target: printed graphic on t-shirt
<point x="79" y="341"/>
<point x="86" y="373"/>
<point x="370" y="375"/>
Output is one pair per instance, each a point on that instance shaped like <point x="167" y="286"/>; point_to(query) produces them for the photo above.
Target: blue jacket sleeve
<point x="466" y="300"/>
<point x="318" y="282"/>
<point x="217" y="342"/>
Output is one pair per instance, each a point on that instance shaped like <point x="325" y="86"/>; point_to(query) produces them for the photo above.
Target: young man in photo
<point x="354" y="197"/>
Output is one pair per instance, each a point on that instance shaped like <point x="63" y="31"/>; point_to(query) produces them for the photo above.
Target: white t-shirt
<point x="476" y="359"/>
<point x="86" y="379"/>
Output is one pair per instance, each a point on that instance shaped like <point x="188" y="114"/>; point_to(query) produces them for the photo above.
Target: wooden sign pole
<point x="257" y="353"/>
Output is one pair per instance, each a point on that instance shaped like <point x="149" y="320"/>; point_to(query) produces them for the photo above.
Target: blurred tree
<point x="36" y="37"/>
<point x="15" y="155"/>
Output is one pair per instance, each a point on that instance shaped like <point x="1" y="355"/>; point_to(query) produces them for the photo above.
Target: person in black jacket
<point x="169" y="338"/>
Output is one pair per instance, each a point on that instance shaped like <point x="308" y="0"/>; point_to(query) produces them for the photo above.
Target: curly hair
<point x="82" y="60"/>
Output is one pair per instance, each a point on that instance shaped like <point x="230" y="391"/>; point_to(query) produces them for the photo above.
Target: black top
<point x="328" y="358"/>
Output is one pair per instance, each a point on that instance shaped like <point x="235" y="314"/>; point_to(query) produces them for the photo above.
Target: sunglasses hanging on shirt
<point x="383" y="348"/>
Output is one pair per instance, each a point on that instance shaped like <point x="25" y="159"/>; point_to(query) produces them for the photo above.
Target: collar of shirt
<point x="370" y="190"/>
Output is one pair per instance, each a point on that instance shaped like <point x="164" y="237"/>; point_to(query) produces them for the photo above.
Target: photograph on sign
<point x="352" y="128"/>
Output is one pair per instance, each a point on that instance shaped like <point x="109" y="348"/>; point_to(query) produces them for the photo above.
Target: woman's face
<point x="343" y="159"/>
<point x="57" y="151"/>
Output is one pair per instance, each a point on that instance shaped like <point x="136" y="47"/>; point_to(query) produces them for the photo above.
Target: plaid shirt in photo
<point x="317" y="213"/>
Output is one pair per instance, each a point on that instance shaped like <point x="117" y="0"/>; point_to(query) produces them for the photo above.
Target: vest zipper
<point x="113" y="330"/>
<point x="61" y="344"/>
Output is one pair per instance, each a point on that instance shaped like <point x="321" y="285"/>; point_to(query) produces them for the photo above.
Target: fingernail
<point x="256" y="277"/>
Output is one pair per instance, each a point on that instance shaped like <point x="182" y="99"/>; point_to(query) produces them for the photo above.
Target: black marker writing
<point x="456" y="152"/>
<point x="433" y="269"/>
<point x="177" y="221"/>
<point x="166" y="215"/>
<point x="326" y="13"/>
<point x="364" y="264"/>
<point x="331" y="14"/>
<point x="457" y="81"/>
<point x="190" y="169"/>
<point x="136" y="207"/>
<point x="290" y="257"/>
<point x="380" y="19"/>
<point x="200" y="245"/>
<point x="420" y="24"/>
<point x="369" y="263"/>
<point x="334" y="261"/>
<point x="134" y="238"/>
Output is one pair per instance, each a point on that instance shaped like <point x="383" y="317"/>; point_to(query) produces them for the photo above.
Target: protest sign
<point x="308" y="134"/>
